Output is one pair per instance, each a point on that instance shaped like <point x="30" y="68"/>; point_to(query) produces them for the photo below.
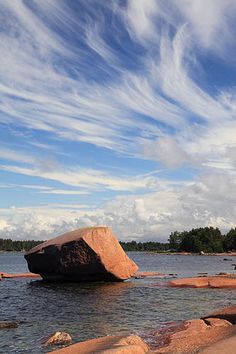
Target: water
<point x="91" y="310"/>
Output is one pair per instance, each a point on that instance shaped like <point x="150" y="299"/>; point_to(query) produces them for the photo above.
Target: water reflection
<point x="97" y="289"/>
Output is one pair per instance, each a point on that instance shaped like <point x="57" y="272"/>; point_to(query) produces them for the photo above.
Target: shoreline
<point x="225" y="254"/>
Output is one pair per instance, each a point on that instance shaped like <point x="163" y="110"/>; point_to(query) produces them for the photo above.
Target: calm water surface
<point x="91" y="310"/>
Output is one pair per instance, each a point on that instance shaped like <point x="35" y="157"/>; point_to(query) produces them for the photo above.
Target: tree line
<point x="207" y="239"/>
<point x="10" y="245"/>
<point x="145" y="246"/>
<point x="203" y="239"/>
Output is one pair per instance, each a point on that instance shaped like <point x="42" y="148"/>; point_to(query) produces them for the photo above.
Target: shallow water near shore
<point x="139" y="306"/>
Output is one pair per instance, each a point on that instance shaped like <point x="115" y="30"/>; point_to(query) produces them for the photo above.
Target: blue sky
<point x="117" y="112"/>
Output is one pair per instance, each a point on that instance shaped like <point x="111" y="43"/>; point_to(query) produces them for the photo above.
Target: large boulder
<point x="88" y="254"/>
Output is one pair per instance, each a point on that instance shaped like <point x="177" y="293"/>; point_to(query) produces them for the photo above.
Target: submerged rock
<point x="140" y="275"/>
<point x="58" y="338"/>
<point x="88" y="254"/>
<point x="7" y="324"/>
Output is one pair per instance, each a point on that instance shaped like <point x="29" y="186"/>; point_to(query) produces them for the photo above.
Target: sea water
<point x="138" y="306"/>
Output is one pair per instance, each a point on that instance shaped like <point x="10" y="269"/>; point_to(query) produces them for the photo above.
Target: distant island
<point x="198" y="240"/>
<point x="203" y="239"/>
<point x="17" y="246"/>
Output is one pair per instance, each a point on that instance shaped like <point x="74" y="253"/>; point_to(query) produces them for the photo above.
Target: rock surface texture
<point x="89" y="254"/>
<point x="58" y="338"/>
<point x="225" y="346"/>
<point x="6" y="324"/>
<point x="18" y="275"/>
<point x="227" y="313"/>
<point x="195" y="335"/>
<point x="108" y="345"/>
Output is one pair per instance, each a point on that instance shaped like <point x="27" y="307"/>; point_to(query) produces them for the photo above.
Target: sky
<point x="118" y="113"/>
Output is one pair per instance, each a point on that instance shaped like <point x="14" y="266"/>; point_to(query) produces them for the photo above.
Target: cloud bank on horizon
<point x="117" y="112"/>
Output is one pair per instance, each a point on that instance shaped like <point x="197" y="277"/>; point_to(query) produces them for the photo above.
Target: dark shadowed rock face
<point x="89" y="254"/>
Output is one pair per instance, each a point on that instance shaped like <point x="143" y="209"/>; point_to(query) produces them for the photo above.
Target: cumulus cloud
<point x="209" y="200"/>
<point x="167" y="151"/>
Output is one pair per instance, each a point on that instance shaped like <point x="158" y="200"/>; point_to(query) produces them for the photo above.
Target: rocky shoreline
<point x="215" y="333"/>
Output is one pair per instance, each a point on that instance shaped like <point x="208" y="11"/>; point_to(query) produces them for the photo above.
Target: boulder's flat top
<point x="70" y="236"/>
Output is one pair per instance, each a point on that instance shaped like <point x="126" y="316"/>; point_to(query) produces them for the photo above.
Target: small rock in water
<point x="58" y="338"/>
<point x="6" y="324"/>
<point x="202" y="273"/>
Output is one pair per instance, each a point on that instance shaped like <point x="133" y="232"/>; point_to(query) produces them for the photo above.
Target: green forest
<point x="207" y="240"/>
<point x="10" y="245"/>
<point x="203" y="239"/>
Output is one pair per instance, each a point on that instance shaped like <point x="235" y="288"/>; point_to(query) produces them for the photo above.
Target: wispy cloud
<point x="86" y="178"/>
<point x="43" y="189"/>
<point x="135" y="80"/>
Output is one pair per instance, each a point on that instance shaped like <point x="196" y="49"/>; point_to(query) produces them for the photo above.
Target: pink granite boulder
<point x="88" y="254"/>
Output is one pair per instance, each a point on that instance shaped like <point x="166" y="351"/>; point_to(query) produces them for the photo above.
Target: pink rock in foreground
<point x="88" y="254"/>
<point x="109" y="345"/>
<point x="224" y="346"/>
<point x="196" y="335"/>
